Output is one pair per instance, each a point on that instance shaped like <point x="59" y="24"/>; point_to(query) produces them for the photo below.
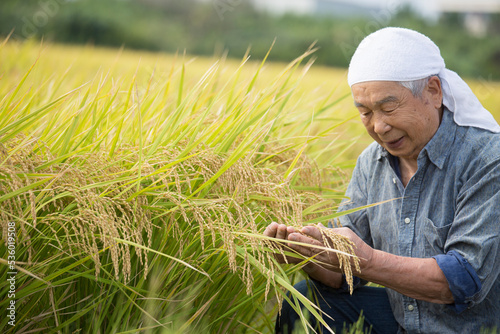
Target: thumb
<point x="312" y="231"/>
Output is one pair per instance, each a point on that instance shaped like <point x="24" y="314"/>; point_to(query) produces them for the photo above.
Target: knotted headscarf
<point x="399" y="54"/>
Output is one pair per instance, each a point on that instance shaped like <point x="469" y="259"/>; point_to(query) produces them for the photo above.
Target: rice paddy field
<point x="135" y="186"/>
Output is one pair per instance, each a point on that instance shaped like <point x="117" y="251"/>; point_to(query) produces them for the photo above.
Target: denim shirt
<point x="450" y="211"/>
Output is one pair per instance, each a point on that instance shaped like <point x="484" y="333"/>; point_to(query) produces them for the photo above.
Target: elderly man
<point x="435" y="247"/>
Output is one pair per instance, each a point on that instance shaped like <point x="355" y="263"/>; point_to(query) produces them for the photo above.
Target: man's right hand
<point x="281" y="231"/>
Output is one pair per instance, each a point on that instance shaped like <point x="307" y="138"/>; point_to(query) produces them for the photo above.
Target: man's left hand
<point x="313" y="236"/>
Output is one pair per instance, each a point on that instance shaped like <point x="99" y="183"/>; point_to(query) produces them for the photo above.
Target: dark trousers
<point x="343" y="309"/>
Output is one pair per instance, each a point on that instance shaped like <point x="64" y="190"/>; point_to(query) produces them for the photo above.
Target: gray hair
<point x="416" y="87"/>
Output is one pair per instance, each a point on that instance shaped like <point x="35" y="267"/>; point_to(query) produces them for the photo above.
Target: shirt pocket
<point x="434" y="238"/>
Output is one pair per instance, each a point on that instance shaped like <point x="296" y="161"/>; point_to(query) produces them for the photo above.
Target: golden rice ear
<point x="341" y="243"/>
<point x="99" y="222"/>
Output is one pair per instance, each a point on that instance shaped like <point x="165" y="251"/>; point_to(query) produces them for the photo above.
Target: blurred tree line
<point x="211" y="27"/>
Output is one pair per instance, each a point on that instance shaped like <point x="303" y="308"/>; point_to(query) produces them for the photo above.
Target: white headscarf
<point x="399" y="54"/>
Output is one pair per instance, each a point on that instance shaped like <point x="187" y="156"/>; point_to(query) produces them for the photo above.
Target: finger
<point x="281" y="232"/>
<point x="304" y="250"/>
<point x="271" y="230"/>
<point x="313" y="232"/>
<point x="313" y="237"/>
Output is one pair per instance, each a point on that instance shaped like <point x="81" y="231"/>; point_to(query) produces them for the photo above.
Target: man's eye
<point x="364" y="111"/>
<point x="389" y="108"/>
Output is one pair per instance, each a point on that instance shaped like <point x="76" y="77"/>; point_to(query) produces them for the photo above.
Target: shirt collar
<point x="437" y="148"/>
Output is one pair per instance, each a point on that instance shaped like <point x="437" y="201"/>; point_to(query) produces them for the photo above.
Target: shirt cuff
<point x="462" y="279"/>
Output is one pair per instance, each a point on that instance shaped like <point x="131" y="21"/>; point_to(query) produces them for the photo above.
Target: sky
<point x="429" y="8"/>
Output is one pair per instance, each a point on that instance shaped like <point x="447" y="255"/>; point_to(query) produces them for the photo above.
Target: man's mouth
<point x="394" y="144"/>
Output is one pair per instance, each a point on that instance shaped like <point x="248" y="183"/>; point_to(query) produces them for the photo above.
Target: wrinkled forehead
<point x="394" y="54"/>
<point x="377" y="93"/>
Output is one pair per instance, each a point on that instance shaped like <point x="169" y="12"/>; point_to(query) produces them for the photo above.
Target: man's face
<point x="401" y="123"/>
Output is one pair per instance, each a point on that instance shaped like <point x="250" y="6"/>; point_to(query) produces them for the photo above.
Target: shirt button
<point x="407" y="220"/>
<point x="394" y="180"/>
<point x="411" y="307"/>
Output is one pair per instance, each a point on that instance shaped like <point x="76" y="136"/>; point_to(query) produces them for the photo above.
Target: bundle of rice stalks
<point x="148" y="202"/>
<point x="90" y="206"/>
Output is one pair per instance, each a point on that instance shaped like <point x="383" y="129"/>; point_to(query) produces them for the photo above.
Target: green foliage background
<point x="217" y="26"/>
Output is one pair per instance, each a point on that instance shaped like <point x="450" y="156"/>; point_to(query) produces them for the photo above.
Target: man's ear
<point x="434" y="92"/>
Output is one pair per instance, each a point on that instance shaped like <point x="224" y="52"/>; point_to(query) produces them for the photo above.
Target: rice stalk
<point x="136" y="178"/>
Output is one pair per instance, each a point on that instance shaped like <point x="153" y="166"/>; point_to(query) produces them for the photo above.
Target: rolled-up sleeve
<point x="462" y="279"/>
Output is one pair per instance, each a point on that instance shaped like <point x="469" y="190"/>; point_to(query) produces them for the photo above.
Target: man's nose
<point x="380" y="125"/>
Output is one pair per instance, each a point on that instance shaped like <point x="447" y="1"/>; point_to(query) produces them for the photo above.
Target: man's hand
<point x="312" y="235"/>
<point x="281" y="231"/>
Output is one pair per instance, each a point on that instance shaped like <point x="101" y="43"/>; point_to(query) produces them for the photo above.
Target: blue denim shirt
<point x="450" y="210"/>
